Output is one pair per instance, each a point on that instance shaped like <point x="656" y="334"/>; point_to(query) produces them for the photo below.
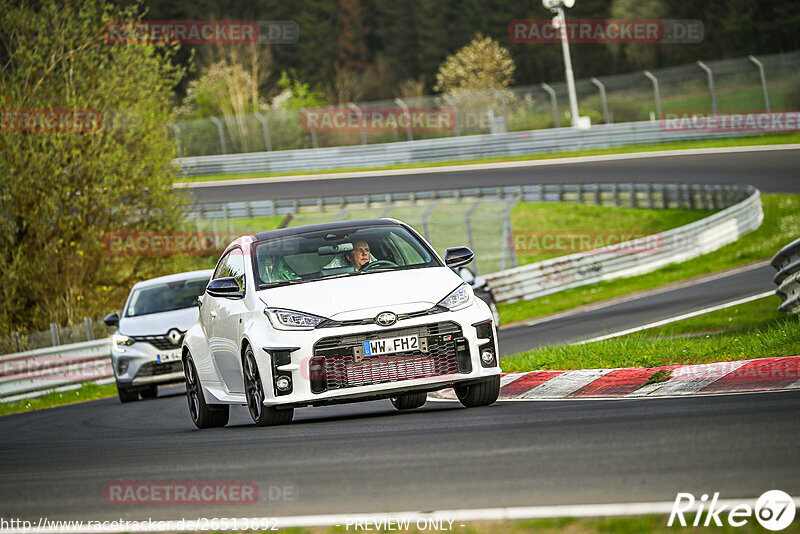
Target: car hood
<point x="357" y="297"/>
<point x="159" y="323"/>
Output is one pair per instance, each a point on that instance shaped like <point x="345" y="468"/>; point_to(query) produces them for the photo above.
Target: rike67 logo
<point x="774" y="510"/>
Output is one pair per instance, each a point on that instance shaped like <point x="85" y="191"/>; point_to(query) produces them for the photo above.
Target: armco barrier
<point x="787" y="263"/>
<point x="46" y="369"/>
<point x="442" y="149"/>
<point x="677" y="245"/>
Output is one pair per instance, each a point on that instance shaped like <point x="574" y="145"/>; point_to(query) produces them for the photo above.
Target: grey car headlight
<point x="119" y="342"/>
<point x="292" y="320"/>
<point x="460" y="298"/>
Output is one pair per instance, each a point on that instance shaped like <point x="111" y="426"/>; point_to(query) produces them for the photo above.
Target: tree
<point x="482" y="64"/>
<point x="64" y="189"/>
<point x="644" y="55"/>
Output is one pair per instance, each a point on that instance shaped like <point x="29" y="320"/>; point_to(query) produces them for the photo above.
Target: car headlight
<point x="119" y="342"/>
<point x="292" y="320"/>
<point x="461" y="297"/>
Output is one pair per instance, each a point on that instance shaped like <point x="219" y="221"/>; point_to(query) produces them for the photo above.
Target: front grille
<point x="334" y="364"/>
<point x="330" y="323"/>
<point x="160" y="342"/>
<point x="155" y="368"/>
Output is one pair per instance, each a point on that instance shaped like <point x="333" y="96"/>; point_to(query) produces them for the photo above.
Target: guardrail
<point x="630" y="258"/>
<point x="787" y="263"/>
<point x="442" y="149"/>
<point x="36" y="371"/>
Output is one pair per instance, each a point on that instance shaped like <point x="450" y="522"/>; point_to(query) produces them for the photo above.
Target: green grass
<point x="537" y="225"/>
<point x="751" y="330"/>
<point x="781" y="225"/>
<point x="678" y="145"/>
<point x="86" y="392"/>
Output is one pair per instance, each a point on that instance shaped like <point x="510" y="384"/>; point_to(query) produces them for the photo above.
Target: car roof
<point x="175" y="278"/>
<point x="340" y="225"/>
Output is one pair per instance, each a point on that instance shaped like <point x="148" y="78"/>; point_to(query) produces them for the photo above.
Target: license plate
<point x="388" y="346"/>
<point x="169" y="356"/>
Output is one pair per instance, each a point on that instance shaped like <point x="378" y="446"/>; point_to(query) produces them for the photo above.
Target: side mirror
<point x="224" y="287"/>
<point x="112" y="319"/>
<point x="458" y="257"/>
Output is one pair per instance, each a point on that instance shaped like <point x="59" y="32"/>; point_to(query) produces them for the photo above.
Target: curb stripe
<point x="565" y="383"/>
<point x="527" y="382"/>
<point x="688" y="379"/>
<point x="617" y="383"/>
<point x="757" y="375"/>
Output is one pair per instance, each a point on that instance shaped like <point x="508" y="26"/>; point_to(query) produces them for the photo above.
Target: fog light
<point x="487" y="356"/>
<point x="122" y="366"/>
<point x="283" y="383"/>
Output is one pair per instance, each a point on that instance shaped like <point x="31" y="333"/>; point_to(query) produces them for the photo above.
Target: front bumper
<point x="138" y="365"/>
<point x="323" y="365"/>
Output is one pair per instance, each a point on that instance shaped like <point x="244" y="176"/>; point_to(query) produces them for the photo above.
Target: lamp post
<point x="560" y="23"/>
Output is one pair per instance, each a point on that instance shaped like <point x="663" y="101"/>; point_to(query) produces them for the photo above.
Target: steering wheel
<point x="377" y="263"/>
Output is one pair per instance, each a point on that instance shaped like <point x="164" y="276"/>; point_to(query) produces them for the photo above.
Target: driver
<point x="359" y="256"/>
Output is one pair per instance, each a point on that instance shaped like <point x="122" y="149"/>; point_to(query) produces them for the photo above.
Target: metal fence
<point x="89" y="330"/>
<point x="479" y="217"/>
<point x="750" y="83"/>
<point x="787" y="263"/>
<point x="631" y="259"/>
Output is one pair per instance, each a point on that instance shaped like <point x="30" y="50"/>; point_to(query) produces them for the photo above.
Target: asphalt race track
<point x="371" y="458"/>
<point x="368" y="457"/>
<point x="647" y="309"/>
<point x="774" y="171"/>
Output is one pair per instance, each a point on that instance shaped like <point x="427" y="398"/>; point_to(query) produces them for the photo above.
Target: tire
<point x="150" y="393"/>
<point x="254" y="391"/>
<point x="409" y="401"/>
<point x="481" y="393"/>
<point x="203" y="415"/>
<point x="126" y="395"/>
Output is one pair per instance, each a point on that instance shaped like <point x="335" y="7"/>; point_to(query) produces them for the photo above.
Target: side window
<point x="235" y="265"/>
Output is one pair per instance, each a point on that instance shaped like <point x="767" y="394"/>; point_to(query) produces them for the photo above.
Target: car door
<point x="227" y="326"/>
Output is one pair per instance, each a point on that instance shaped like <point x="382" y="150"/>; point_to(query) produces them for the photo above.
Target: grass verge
<point x="84" y="393"/>
<point x="781" y="225"/>
<point x="678" y="145"/>
<point x="751" y="330"/>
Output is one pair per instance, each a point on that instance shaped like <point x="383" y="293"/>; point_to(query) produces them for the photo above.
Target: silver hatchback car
<point x="146" y="348"/>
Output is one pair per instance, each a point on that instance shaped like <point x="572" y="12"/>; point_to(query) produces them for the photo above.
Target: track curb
<point x="760" y="374"/>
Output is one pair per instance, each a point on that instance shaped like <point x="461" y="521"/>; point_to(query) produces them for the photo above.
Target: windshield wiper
<point x="268" y="285"/>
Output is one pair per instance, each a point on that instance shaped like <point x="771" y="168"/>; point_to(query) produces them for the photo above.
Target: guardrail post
<point x="502" y="99"/>
<point x="360" y="122"/>
<point x="15" y="337"/>
<point x="553" y="102"/>
<point x="508" y="237"/>
<point x="615" y="193"/>
<point x="649" y="196"/>
<point x="221" y="132"/>
<point x="450" y="100"/>
<point x="598" y="198"/>
<point x="425" y="217"/>
<point x="656" y="91"/>
<point x="710" y="75"/>
<point x="54" y="334"/>
<point x="634" y="200"/>
<point x="87" y="324"/>
<point x="603" y="100"/>
<point x="402" y="105"/>
<point x="763" y="81"/>
<point x="265" y="127"/>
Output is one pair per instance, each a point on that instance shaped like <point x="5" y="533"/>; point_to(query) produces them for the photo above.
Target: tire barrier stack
<point x="787" y="263"/>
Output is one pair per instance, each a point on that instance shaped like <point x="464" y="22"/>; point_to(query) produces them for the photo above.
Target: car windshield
<point x="165" y="297"/>
<point x="336" y="253"/>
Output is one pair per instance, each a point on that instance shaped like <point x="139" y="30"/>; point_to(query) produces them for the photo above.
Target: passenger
<point x="275" y="269"/>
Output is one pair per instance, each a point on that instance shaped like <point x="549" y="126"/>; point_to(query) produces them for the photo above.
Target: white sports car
<point x="332" y="313"/>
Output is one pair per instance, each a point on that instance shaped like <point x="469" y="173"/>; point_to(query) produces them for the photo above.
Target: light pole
<point x="560" y="23"/>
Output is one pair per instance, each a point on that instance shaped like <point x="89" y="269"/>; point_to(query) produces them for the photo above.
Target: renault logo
<point x="386" y="319"/>
<point x="174" y="337"/>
